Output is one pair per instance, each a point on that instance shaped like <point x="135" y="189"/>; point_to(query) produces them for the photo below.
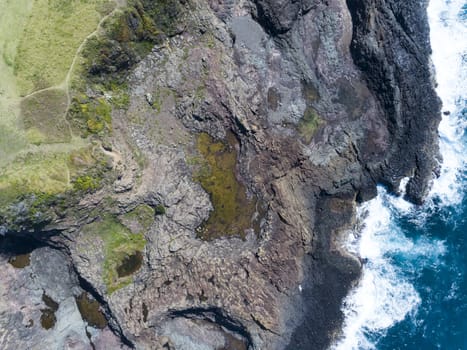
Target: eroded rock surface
<point x="38" y="308"/>
<point x="325" y="99"/>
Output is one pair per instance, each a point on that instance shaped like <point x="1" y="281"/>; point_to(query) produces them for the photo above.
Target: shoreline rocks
<point x="325" y="99"/>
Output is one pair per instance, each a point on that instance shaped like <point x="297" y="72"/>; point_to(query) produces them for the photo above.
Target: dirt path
<point x="76" y="141"/>
<point x="65" y="84"/>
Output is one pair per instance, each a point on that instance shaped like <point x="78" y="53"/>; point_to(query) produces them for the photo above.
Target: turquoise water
<point x="413" y="291"/>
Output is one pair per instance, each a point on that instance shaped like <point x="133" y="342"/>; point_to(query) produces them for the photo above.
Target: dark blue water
<point x="413" y="291"/>
<point x="440" y="321"/>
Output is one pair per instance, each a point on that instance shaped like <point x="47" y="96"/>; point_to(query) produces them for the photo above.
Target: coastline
<point x="320" y="119"/>
<point x="402" y="243"/>
<point x="415" y="21"/>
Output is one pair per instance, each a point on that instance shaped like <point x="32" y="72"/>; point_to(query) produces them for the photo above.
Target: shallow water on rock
<point x="130" y="264"/>
<point x="20" y="261"/>
<point x="90" y="311"/>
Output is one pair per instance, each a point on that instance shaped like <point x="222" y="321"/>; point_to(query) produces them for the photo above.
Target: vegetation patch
<point x="90" y="311"/>
<point x="233" y="211"/>
<point x="86" y="183"/>
<point x="119" y="245"/>
<point x="53" y="173"/>
<point x="53" y="33"/>
<point x="12" y="141"/>
<point x="308" y="125"/>
<point x="13" y="16"/>
<point x="140" y="219"/>
<point x="119" y="96"/>
<point x="89" y="169"/>
<point x="34" y="173"/>
<point x="43" y="117"/>
<point x="165" y="14"/>
<point x="93" y="115"/>
<point x="35" y="188"/>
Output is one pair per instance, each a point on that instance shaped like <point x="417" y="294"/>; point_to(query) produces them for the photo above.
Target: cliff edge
<point x="214" y="152"/>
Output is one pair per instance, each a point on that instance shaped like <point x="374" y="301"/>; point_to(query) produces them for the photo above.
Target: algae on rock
<point x="118" y="245"/>
<point x="233" y="210"/>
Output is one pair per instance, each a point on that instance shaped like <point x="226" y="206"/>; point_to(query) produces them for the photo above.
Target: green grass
<point x="91" y="115"/>
<point x="43" y="117"/>
<point x="12" y="141"/>
<point x="38" y="41"/>
<point x="33" y="173"/>
<point x="49" y="174"/>
<point x="53" y="33"/>
<point x="233" y="211"/>
<point x="119" y="244"/>
<point x="13" y="16"/>
<point x="86" y="183"/>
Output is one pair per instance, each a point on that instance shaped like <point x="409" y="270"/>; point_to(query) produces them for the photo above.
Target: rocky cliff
<point x="229" y="142"/>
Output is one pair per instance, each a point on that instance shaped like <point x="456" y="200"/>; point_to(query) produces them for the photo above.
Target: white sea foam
<point x="385" y="294"/>
<point x="382" y="297"/>
<point x="447" y="35"/>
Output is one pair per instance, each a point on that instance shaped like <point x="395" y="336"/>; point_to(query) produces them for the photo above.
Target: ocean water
<point x="413" y="291"/>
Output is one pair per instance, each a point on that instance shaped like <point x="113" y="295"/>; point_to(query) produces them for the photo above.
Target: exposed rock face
<point x="326" y="99"/>
<point x="38" y="308"/>
<point x="391" y="46"/>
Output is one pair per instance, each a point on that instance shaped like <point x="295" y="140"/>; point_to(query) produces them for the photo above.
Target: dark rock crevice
<point x="318" y="127"/>
<point x="112" y="321"/>
<point x="219" y="317"/>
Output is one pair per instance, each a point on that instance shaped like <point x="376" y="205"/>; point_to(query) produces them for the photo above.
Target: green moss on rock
<point x="233" y="211"/>
<point x="93" y="115"/>
<point x="86" y="183"/>
<point x="140" y="219"/>
<point x="309" y="124"/>
<point x="119" y="244"/>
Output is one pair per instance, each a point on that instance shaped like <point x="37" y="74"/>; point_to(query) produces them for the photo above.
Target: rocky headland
<point x="214" y="152"/>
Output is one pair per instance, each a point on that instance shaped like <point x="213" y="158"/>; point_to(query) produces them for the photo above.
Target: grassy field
<point x="42" y="117"/>
<point x="13" y="18"/>
<point x="38" y="42"/>
<point x="51" y="38"/>
<point x="35" y="172"/>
